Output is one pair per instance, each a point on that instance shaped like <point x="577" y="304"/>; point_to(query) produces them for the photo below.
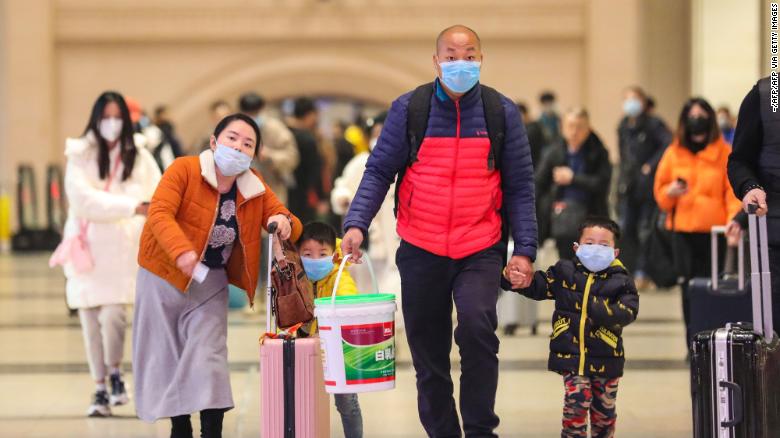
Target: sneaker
<point x="118" y="393"/>
<point x="99" y="406"/>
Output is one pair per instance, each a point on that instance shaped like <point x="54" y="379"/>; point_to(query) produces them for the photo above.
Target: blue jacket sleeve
<point x="517" y="175"/>
<point x="389" y="156"/>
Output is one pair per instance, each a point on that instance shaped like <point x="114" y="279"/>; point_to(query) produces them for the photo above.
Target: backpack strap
<point x="417" y="118"/>
<point x="416" y="123"/>
<point x="496" y="125"/>
<point x="495" y="119"/>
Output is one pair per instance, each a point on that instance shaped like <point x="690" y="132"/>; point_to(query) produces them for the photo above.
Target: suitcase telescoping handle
<point x="714" y="232"/>
<point x="269" y="315"/>
<point x="760" y="279"/>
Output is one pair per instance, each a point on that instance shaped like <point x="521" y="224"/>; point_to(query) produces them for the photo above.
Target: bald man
<point x="464" y="178"/>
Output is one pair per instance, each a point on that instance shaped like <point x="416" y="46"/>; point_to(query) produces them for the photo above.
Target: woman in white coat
<point x="109" y="181"/>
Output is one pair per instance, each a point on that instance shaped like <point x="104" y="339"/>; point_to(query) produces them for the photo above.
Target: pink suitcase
<point x="293" y="400"/>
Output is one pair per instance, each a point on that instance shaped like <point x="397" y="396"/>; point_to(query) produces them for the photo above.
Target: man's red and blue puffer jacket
<point x="449" y="202"/>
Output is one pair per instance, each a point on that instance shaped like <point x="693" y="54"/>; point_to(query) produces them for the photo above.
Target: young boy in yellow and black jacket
<point x="595" y="298"/>
<point x="320" y="251"/>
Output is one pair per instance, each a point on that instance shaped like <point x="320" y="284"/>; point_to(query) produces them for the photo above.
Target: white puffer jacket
<point x="114" y="228"/>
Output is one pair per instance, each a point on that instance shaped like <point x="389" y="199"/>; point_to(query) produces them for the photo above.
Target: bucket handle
<point x="344" y="261"/>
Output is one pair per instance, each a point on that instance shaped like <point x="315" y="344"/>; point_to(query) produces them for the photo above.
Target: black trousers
<point x="636" y="223"/>
<point x="692" y="254"/>
<point x="210" y="424"/>
<point x="430" y="284"/>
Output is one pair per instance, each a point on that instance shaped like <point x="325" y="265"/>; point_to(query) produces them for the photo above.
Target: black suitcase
<point x="719" y="299"/>
<point x="735" y="370"/>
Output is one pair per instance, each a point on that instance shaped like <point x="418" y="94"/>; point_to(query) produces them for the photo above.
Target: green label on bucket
<point x="369" y="352"/>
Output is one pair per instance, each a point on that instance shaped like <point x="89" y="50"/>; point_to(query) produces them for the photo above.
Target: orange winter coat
<point x="183" y="211"/>
<point x="710" y="200"/>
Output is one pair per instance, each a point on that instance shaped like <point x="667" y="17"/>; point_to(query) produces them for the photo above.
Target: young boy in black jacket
<point x="594" y="299"/>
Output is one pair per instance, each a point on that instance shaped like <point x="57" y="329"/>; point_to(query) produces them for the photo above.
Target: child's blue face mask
<point x="595" y="258"/>
<point x="317" y="269"/>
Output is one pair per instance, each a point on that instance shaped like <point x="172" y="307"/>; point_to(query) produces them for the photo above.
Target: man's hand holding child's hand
<point x="520" y="271"/>
<point x="516" y="277"/>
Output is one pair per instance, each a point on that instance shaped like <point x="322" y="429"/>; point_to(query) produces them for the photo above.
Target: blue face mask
<point x="260" y="120"/>
<point x="317" y="269"/>
<point x="596" y="258"/>
<point x="230" y="161"/>
<point x="460" y="76"/>
<point x="632" y="107"/>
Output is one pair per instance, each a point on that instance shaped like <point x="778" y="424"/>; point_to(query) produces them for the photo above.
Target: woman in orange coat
<point x="692" y="187"/>
<point x="203" y="232"/>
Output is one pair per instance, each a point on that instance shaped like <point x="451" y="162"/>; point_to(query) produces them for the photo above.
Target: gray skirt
<point x="180" y="347"/>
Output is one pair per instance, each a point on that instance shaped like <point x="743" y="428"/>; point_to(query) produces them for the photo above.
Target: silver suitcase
<point x="735" y="370"/>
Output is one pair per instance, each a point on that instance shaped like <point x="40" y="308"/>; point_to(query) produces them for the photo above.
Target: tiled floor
<point x="45" y="387"/>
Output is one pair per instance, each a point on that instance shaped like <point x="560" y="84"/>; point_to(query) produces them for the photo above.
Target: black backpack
<point x="417" y="122"/>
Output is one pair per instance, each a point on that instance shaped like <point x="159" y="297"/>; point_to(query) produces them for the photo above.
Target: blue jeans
<point x="351" y="417"/>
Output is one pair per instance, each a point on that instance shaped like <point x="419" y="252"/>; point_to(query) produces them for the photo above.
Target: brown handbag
<point x="293" y="297"/>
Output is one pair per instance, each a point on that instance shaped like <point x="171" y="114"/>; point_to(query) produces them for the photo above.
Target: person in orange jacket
<point x="202" y="233"/>
<point x="692" y="187"/>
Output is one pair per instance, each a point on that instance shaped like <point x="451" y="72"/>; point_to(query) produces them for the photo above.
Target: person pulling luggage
<point x="203" y="233"/>
<point x="754" y="169"/>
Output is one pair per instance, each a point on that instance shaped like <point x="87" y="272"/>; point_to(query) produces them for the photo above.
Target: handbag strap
<point x="279" y="259"/>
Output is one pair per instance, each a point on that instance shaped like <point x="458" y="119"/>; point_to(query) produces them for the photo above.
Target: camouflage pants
<point x="589" y="396"/>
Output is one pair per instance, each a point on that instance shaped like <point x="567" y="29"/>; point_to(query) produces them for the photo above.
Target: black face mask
<point x="697" y="125"/>
<point x="695" y="146"/>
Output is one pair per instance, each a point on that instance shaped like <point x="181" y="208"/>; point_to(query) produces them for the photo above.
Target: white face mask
<point x="110" y="128"/>
<point x="596" y="257"/>
<point x="230" y="161"/>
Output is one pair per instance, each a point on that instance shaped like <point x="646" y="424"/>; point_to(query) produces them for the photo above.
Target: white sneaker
<point x="99" y="406"/>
